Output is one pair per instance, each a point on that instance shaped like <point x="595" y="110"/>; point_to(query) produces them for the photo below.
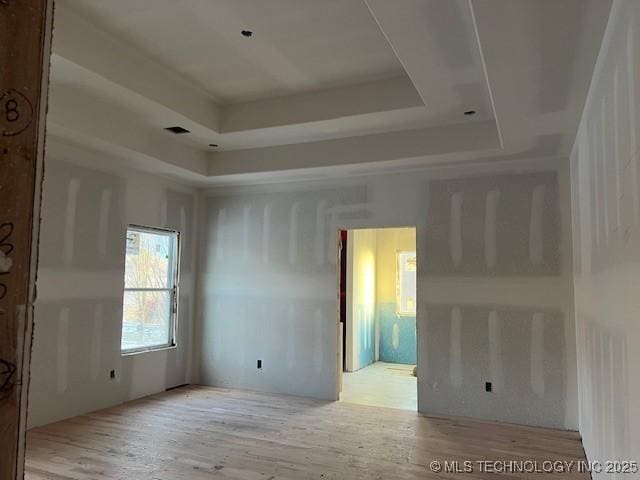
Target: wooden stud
<point x="25" y="46"/>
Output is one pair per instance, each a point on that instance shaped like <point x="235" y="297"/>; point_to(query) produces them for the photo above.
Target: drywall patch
<point x="536" y="233"/>
<point x="103" y="221"/>
<point x="220" y="234"/>
<point x="604" y="391"/>
<point x="365" y="336"/>
<point x="246" y="229"/>
<point x="321" y="218"/>
<point x="455" y="350"/>
<point x="471" y="330"/>
<point x="490" y="244"/>
<point x="96" y="342"/>
<point x="537" y="354"/>
<point x="183" y="219"/>
<point x="318" y="354"/>
<point x="397" y="335"/>
<point x="633" y="148"/>
<point x="495" y="352"/>
<point x="266" y="232"/>
<point x="63" y="351"/>
<point x="70" y="221"/>
<point x="456" y="225"/>
<point x="291" y="337"/>
<point x="455" y="235"/>
<point x="162" y="217"/>
<point x="180" y="217"/>
<point x="294" y="215"/>
<point x="619" y="161"/>
<point x="72" y="235"/>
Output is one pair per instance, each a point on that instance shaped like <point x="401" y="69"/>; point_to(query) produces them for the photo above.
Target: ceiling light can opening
<point x="177" y="130"/>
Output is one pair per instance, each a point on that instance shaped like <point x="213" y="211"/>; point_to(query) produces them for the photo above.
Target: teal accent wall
<point x="366" y="336"/>
<point x="403" y="349"/>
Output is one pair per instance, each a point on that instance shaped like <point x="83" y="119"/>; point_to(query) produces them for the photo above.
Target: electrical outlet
<point x="487" y="386"/>
<point x="259" y="364"/>
<point x="112" y="374"/>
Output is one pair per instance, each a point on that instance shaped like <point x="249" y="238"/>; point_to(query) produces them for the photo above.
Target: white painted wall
<point x="89" y="199"/>
<point x="495" y="285"/>
<point x="605" y="175"/>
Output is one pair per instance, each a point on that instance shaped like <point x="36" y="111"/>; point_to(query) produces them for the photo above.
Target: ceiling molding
<point x="356" y="150"/>
<point x="377" y="96"/>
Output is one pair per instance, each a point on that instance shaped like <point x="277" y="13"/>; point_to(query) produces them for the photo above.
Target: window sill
<point x="146" y="350"/>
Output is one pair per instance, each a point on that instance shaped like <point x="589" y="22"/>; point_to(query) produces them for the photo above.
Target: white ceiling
<point x="331" y="86"/>
<point x="298" y="45"/>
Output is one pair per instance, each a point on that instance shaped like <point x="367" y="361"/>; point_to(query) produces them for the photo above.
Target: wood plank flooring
<point x="201" y="433"/>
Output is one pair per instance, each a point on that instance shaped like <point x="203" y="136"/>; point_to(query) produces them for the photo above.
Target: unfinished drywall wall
<point x="605" y="176"/>
<point x="87" y="205"/>
<point x="361" y="298"/>
<point x="498" y="257"/>
<point x="396" y="334"/>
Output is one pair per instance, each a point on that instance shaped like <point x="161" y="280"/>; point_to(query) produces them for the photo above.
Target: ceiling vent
<point x="177" y="130"/>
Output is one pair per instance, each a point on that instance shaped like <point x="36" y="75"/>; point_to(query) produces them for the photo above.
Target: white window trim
<point x="175" y="276"/>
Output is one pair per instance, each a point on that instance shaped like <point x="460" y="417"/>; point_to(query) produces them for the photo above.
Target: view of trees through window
<point x="406" y="283"/>
<point x="150" y="289"/>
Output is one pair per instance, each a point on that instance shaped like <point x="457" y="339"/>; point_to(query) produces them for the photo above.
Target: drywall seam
<point x="490" y="244"/>
<point x="456" y="228"/>
<point x="456" y="348"/>
<point x="535" y="228"/>
<point x="70" y="221"/>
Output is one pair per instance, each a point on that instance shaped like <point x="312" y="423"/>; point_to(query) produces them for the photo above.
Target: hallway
<point x="381" y="384"/>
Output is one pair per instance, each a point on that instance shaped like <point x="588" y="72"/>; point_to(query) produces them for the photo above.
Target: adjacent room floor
<point x="382" y="384"/>
<point x="202" y="432"/>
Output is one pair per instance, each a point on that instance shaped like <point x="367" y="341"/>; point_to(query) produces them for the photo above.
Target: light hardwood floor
<point x="202" y="433"/>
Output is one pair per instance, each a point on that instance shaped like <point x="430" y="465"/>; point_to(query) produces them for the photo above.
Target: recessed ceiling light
<point x="177" y="130"/>
<point x="246" y="33"/>
<point x="470" y="112"/>
<point x="213" y="145"/>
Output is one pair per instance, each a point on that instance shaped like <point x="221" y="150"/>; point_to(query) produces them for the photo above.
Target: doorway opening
<point x="377" y="315"/>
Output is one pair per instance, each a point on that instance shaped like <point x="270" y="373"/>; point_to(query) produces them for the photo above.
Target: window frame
<point x="399" y="310"/>
<point x="174" y="290"/>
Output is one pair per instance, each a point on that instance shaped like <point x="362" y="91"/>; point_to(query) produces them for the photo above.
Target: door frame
<point x="339" y="347"/>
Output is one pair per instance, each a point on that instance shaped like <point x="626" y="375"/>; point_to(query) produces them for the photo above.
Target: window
<point x="150" y="289"/>
<point x="406" y="284"/>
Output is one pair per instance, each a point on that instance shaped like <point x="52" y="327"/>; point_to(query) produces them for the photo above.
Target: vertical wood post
<point x="25" y="44"/>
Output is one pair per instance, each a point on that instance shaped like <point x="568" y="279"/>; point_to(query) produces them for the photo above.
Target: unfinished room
<point x="319" y="239"/>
